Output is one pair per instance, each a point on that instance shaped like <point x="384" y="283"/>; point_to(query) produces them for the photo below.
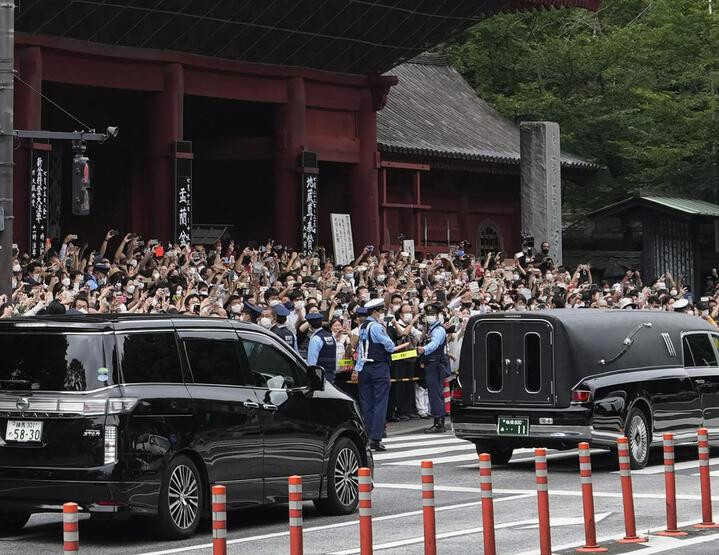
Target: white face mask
<point x="66" y="281"/>
<point x="131" y="289"/>
<point x="673" y="292"/>
<point x="133" y="262"/>
<point x="16" y="268"/>
<point x="364" y="297"/>
<point x="396" y="307"/>
<point x="274" y="302"/>
<point x="266" y="323"/>
<point x="550" y="277"/>
<point x="14" y="283"/>
<point x="299" y="305"/>
<point x="83" y="310"/>
<point x="381" y="278"/>
<point x="155" y="275"/>
<point x="407" y="318"/>
<point x="236" y="308"/>
<point x="431" y="320"/>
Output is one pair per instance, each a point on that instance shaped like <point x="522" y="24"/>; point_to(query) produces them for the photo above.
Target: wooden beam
<point x="405" y="166"/>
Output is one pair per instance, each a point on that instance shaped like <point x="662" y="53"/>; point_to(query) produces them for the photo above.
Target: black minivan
<point x="141" y="414"/>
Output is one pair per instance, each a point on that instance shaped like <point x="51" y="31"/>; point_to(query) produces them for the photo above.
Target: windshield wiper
<point x="15" y="382"/>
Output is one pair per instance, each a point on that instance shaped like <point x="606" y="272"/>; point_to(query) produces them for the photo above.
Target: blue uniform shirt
<point x="437" y="336"/>
<point x="377" y="334"/>
<point x="313" y="351"/>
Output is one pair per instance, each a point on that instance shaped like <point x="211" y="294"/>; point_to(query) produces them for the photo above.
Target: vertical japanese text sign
<point x="183" y="193"/>
<point x="309" y="212"/>
<point x="342" y="238"/>
<point x="39" y="217"/>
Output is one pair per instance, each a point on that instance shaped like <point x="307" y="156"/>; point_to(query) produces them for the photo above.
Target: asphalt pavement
<point x="397" y="509"/>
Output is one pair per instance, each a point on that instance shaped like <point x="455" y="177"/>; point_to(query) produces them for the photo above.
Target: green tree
<point x="633" y="86"/>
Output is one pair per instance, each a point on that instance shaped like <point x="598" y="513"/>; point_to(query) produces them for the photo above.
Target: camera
<point x="527" y="244"/>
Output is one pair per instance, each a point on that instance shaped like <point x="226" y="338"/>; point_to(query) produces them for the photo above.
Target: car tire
<point x="638" y="433"/>
<point x="12" y="522"/>
<point x="182" y="499"/>
<point x="500" y="455"/>
<point x="342" y="482"/>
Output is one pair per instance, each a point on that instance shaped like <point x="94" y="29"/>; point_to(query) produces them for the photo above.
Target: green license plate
<point x="512" y="426"/>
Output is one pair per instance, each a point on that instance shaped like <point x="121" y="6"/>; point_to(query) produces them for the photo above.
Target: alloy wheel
<point x="346" y="468"/>
<point x="183" y="496"/>
<point x="638" y="438"/>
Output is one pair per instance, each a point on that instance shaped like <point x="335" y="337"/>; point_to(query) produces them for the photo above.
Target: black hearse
<point x="556" y="378"/>
<point x="140" y="415"/>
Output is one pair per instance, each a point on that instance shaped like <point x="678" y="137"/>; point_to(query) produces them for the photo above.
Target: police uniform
<point x="322" y="349"/>
<point x="280" y="329"/>
<point x="434" y="359"/>
<point x="373" y="367"/>
<point x="253" y="311"/>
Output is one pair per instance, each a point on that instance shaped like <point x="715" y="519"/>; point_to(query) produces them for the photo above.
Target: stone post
<point x="542" y="185"/>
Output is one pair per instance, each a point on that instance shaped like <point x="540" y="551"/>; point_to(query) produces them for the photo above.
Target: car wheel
<point x="181" y="499"/>
<point x="342" y="483"/>
<point x="500" y="455"/>
<point x="637" y="431"/>
<point x="11" y="522"/>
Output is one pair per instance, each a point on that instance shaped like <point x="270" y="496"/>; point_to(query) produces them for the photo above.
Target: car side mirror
<point x="316" y="375"/>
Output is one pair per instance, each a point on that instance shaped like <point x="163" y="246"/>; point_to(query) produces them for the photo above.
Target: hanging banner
<point x="342" y="239"/>
<point x="309" y="212"/>
<point x="39" y="210"/>
<point x="408" y="247"/>
<point x="183" y="193"/>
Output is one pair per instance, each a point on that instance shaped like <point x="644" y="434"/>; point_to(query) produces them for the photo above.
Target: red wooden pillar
<point x="28" y="115"/>
<point x="364" y="190"/>
<point x="290" y="137"/>
<point x="152" y="200"/>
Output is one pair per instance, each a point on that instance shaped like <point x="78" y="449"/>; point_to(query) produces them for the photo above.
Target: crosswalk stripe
<point x="438" y="441"/>
<point x="408" y="437"/>
<point x="424" y="452"/>
<point x="659" y="469"/>
<point x="439" y="460"/>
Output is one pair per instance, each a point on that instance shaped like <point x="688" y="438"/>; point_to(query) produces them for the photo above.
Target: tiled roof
<point x="687" y="206"/>
<point x="433" y="112"/>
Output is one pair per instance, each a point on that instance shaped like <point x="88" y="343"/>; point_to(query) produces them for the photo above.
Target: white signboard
<point x="342" y="238"/>
<point x="408" y="247"/>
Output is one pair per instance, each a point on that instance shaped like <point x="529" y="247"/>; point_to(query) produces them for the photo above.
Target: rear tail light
<point x="457" y="394"/>
<point x="581" y="396"/>
<point x="96" y="407"/>
<point x="117" y="406"/>
<point x="110" y="444"/>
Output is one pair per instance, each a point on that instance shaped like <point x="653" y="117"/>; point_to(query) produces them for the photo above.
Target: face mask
<point x="441" y="318"/>
<point x="155" y="275"/>
<point x="396" y="307"/>
<point x="14" y="283"/>
<point x="550" y="277"/>
<point x="266" y="323"/>
<point x="66" y="281"/>
<point x="16" y="268"/>
<point x="133" y="262"/>
<point x="407" y="318"/>
<point x="338" y="313"/>
<point x="364" y="297"/>
<point x="673" y="292"/>
<point x="381" y="278"/>
<point x="515" y="277"/>
<point x="299" y="305"/>
<point x="131" y="289"/>
<point x="274" y="302"/>
<point x="431" y="320"/>
<point x="83" y="310"/>
<point x="349" y="276"/>
<point x="36" y="277"/>
<point x="236" y="308"/>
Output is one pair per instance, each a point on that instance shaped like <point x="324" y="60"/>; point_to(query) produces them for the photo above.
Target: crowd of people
<point x="317" y="306"/>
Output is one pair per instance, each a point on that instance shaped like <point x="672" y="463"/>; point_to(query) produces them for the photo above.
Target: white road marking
<point x="438" y="441"/>
<point x="439" y="450"/>
<point x="661" y="544"/>
<point x="561" y="493"/>
<point x="659" y="469"/>
<point x="438" y="460"/>
<point x="345" y="524"/>
<point x="551" y="455"/>
<point x="566" y="521"/>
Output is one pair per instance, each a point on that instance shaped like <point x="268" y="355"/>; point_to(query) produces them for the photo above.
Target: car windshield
<point x="53" y="362"/>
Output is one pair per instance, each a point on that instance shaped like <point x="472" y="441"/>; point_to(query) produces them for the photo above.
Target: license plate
<point x="23" y="431"/>
<point x="512" y="426"/>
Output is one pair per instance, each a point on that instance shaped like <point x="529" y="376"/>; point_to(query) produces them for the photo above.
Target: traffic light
<point x="80" y="185"/>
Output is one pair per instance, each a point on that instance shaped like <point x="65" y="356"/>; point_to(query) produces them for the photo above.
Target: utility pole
<point x="7" y="82"/>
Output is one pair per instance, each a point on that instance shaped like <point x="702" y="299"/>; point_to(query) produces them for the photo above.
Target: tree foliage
<point x="633" y="86"/>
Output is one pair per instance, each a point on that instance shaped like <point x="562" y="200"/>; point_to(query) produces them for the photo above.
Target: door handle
<point x="271" y="408"/>
<point x="251" y="405"/>
<point x="700" y="381"/>
<point x="518" y="363"/>
<point x="507" y="365"/>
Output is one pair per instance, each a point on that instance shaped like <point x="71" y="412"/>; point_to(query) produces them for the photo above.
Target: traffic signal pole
<point x="7" y="82"/>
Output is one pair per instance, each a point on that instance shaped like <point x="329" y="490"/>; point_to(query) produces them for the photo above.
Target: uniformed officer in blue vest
<point x="434" y="360"/>
<point x="280" y="328"/>
<point x="322" y="350"/>
<point x="373" y="371"/>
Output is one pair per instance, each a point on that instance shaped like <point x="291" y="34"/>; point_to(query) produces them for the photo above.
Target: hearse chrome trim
<point x="670" y="344"/>
<point x="535" y="430"/>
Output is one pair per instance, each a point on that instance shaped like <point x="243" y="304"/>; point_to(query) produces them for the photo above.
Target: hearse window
<point x="698" y="350"/>
<point x="150" y="358"/>
<point x="532" y="362"/>
<point x="494" y="361"/>
<point x="270" y="367"/>
<point x="214" y="361"/>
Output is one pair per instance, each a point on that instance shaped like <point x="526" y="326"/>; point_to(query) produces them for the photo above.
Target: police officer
<point x="252" y="311"/>
<point x="434" y="360"/>
<point x="322" y="349"/>
<point x="280" y="328"/>
<point x="373" y="371"/>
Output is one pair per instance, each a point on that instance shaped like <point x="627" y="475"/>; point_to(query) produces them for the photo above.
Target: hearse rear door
<point x="513" y="362"/>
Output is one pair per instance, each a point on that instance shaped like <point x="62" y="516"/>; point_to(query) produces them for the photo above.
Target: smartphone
<point x="441" y="296"/>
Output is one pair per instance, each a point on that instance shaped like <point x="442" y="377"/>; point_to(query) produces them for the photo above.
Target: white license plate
<point x="23" y="431"/>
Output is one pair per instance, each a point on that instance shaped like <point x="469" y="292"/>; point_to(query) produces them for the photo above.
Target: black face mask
<point x="545" y="251"/>
<point x="467" y="305"/>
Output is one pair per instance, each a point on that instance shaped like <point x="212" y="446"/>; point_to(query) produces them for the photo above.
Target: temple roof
<point x="433" y="112"/>
<point x="349" y="36"/>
